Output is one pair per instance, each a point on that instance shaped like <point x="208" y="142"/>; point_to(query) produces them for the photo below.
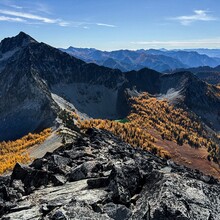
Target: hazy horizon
<point x="150" y="48"/>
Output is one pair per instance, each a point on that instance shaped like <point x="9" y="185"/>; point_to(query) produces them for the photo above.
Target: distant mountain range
<point x="159" y="60"/>
<point x="37" y="81"/>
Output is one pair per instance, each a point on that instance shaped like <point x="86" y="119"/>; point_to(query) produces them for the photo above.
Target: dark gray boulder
<point x="125" y="181"/>
<point x="117" y="211"/>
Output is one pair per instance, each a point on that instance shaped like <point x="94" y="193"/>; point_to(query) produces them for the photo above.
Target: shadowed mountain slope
<point x="37" y="77"/>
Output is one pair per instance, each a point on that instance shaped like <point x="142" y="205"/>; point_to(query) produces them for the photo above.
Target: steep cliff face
<point x="100" y="177"/>
<point x="26" y="104"/>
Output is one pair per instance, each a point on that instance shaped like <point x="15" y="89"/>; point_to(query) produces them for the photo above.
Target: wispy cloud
<point x="11" y="19"/>
<point x="16" y="6"/>
<point x="106" y="25"/>
<point x="32" y="6"/>
<point x="215" y="42"/>
<point x="64" y="23"/>
<point x="22" y="14"/>
<point x="42" y="8"/>
<point x="35" y="17"/>
<point x="199" y="15"/>
<point x="31" y="18"/>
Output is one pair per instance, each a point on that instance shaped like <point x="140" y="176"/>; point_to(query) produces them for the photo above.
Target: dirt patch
<point x="194" y="158"/>
<point x="49" y="145"/>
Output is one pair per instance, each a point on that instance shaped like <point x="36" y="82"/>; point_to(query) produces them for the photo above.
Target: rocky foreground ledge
<point x="101" y="177"/>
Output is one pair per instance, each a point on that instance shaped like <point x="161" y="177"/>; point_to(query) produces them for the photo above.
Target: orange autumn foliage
<point x="149" y="113"/>
<point x="12" y="152"/>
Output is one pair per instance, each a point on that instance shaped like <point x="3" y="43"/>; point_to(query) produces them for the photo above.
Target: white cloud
<point x="41" y="7"/>
<point x="33" y="6"/>
<point x="13" y="19"/>
<point x="105" y="25"/>
<point x="199" y="15"/>
<point x="30" y="18"/>
<point x="64" y="23"/>
<point x="35" y="17"/>
<point x="209" y="43"/>
<point x="16" y="6"/>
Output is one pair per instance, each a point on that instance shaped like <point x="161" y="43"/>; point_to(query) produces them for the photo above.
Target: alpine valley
<point x="108" y="135"/>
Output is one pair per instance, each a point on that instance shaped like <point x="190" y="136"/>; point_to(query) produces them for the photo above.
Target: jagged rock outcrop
<point x="100" y="177"/>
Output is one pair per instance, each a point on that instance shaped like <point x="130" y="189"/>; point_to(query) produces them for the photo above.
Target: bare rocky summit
<point x="100" y="177"/>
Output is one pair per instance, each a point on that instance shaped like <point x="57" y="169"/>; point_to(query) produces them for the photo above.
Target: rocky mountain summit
<point x="100" y="177"/>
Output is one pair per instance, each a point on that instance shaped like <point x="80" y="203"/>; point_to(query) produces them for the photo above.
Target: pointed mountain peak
<point x="24" y="38"/>
<point x="14" y="43"/>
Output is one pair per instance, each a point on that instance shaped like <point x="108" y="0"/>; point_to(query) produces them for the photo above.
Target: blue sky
<point x="114" y="24"/>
